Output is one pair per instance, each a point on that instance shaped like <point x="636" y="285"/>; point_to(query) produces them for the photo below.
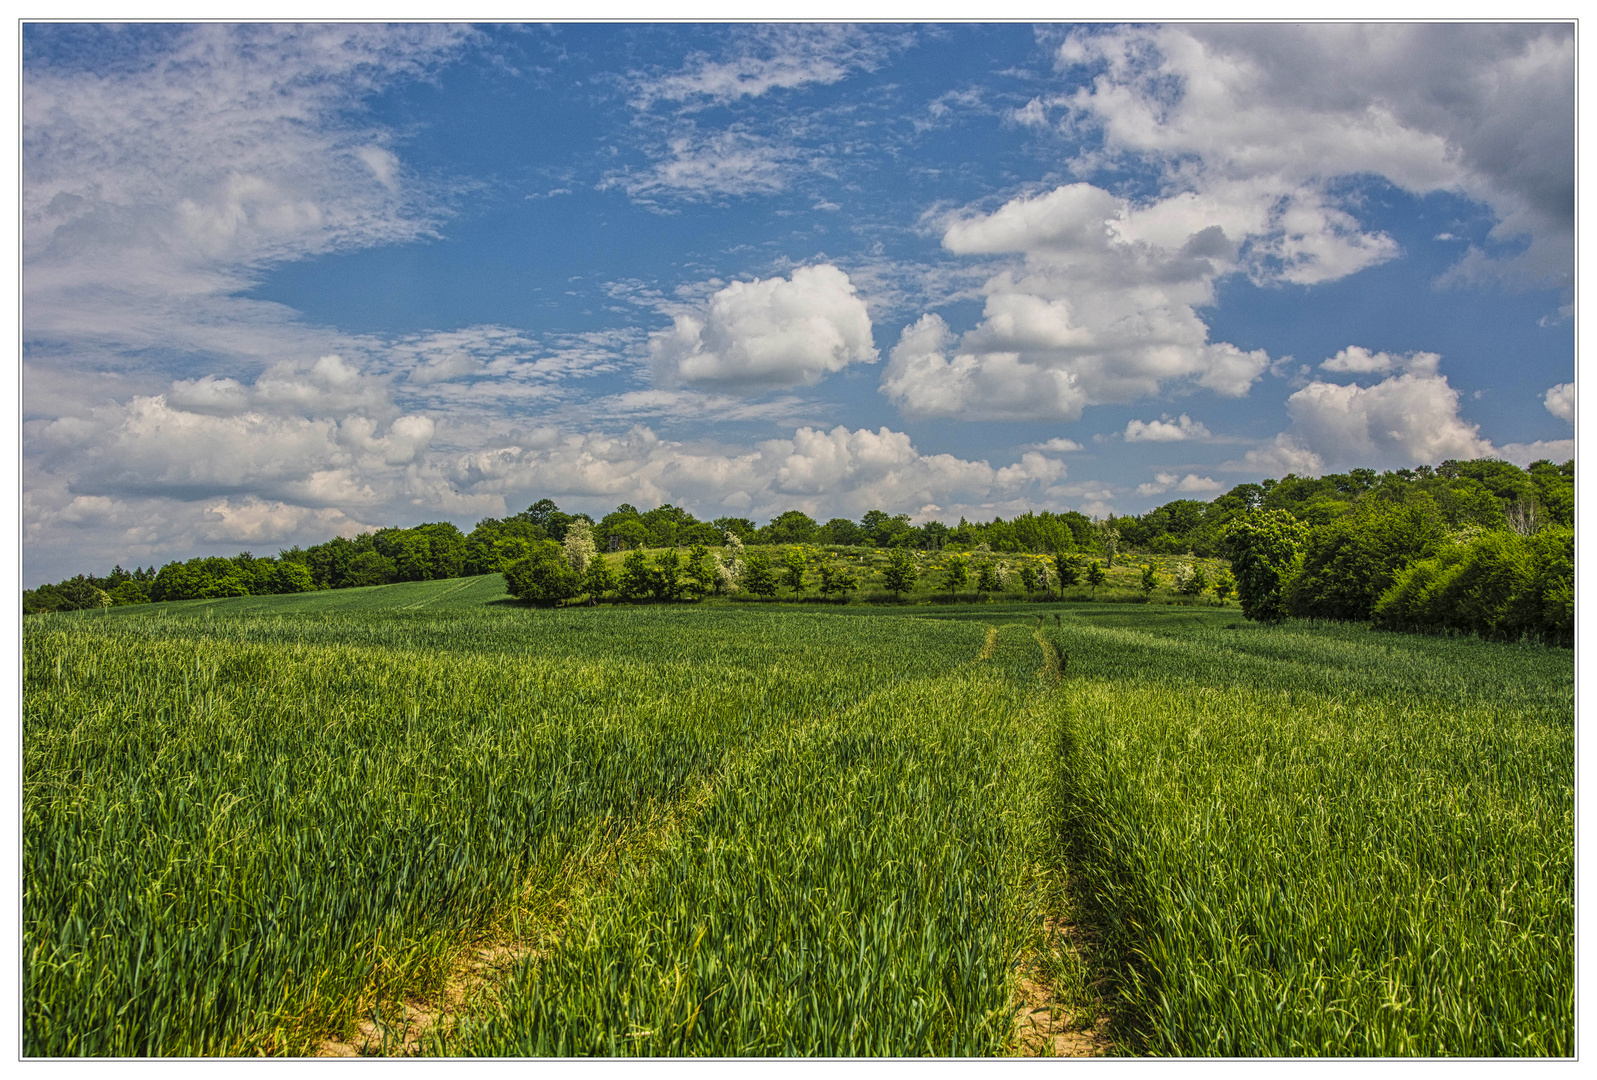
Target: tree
<point x="636" y="579"/>
<point x="956" y="572"/>
<point x="1263" y="546"/>
<point x="1028" y="576"/>
<point x="791" y="527"/>
<point x="793" y="575"/>
<point x="370" y="568"/>
<point x="758" y="577"/>
<point x="986" y="578"/>
<point x="666" y="579"/>
<point x="1224" y="585"/>
<point x="1192" y="581"/>
<point x="1150" y="578"/>
<point x="1068" y="568"/>
<point x="543" y="578"/>
<point x="579" y="545"/>
<point x="700" y="572"/>
<point x="1095" y="576"/>
<point x="598" y="578"/>
<point x="900" y="573"/>
<point x="837" y="579"/>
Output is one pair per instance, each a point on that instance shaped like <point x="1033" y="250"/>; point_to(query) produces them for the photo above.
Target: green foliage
<point x="598" y="579"/>
<point x="1068" y="568"/>
<point x="1191" y="581"/>
<point x="790" y="527"/>
<point x="1224" y="585"/>
<point x="637" y="577"/>
<point x="900" y="573"/>
<point x="543" y="578"/>
<point x="986" y="578"/>
<point x="793" y="572"/>
<point x="956" y="573"/>
<point x="700" y="572"/>
<point x="837" y="579"/>
<point x="1349" y="562"/>
<point x="1497" y="585"/>
<point x="666" y="580"/>
<point x="758" y="576"/>
<point x="1150" y="578"/>
<point x="1095" y="574"/>
<point x="1264" y="549"/>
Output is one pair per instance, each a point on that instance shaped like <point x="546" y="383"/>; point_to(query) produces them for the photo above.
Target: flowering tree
<point x="579" y="545"/>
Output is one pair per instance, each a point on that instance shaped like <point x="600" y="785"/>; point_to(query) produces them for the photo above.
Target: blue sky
<point x="285" y="282"/>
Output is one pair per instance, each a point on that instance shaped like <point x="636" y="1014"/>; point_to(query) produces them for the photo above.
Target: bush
<point x="544" y="577"/>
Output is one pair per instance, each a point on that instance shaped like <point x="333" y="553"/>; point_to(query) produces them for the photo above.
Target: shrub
<point x="544" y="577"/>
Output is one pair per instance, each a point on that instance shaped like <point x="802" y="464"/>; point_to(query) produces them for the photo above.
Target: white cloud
<point x="762" y="59"/>
<point x="1483" y="110"/>
<point x="768" y="333"/>
<point x="1560" y="401"/>
<point x="1165" y="429"/>
<point x="1103" y="311"/>
<point x="694" y="165"/>
<point x="1405" y="420"/>
<point x="1060" y="445"/>
<point x="1522" y="454"/>
<point x="1360" y="361"/>
<point x="1189" y="484"/>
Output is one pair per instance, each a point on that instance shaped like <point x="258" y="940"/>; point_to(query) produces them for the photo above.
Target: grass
<point x="774" y="829"/>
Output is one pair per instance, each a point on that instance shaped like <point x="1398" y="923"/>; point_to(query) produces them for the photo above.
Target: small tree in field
<point x="729" y="565"/>
<point x="1224" y="585"/>
<point x="758" y="577"/>
<point x="955" y="573"/>
<point x="793" y="572"/>
<point x="1150" y="578"/>
<point x="666" y="578"/>
<point x="1068" y="568"/>
<point x="1193" y="581"/>
<point x="987" y="579"/>
<point x="637" y="581"/>
<point x="837" y="579"/>
<point x="599" y="579"/>
<point x="1028" y="576"/>
<point x="579" y="545"/>
<point x="701" y="577"/>
<point x="900" y="573"/>
<point x="1095" y="576"/>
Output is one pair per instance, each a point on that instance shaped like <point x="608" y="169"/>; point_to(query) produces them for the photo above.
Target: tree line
<point x="1407" y="548"/>
<point x="1477" y="547"/>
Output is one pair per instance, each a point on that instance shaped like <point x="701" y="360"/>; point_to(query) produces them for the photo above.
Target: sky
<point x="284" y="282"/>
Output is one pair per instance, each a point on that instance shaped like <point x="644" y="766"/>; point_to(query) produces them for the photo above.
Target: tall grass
<point x="747" y="830"/>
<point x="1315" y="845"/>
<point x="857" y="888"/>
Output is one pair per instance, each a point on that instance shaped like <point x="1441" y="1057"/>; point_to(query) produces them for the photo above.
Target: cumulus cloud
<point x="1356" y="360"/>
<point x="1257" y="117"/>
<point x="1560" y="401"/>
<point x="1405" y="420"/>
<point x="1165" y="429"/>
<point x="770" y="332"/>
<point x="1102" y="311"/>
<point x="1189" y="484"/>
<point x="1522" y="454"/>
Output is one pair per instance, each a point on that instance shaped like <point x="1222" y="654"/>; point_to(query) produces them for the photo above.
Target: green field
<point x="425" y="818"/>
